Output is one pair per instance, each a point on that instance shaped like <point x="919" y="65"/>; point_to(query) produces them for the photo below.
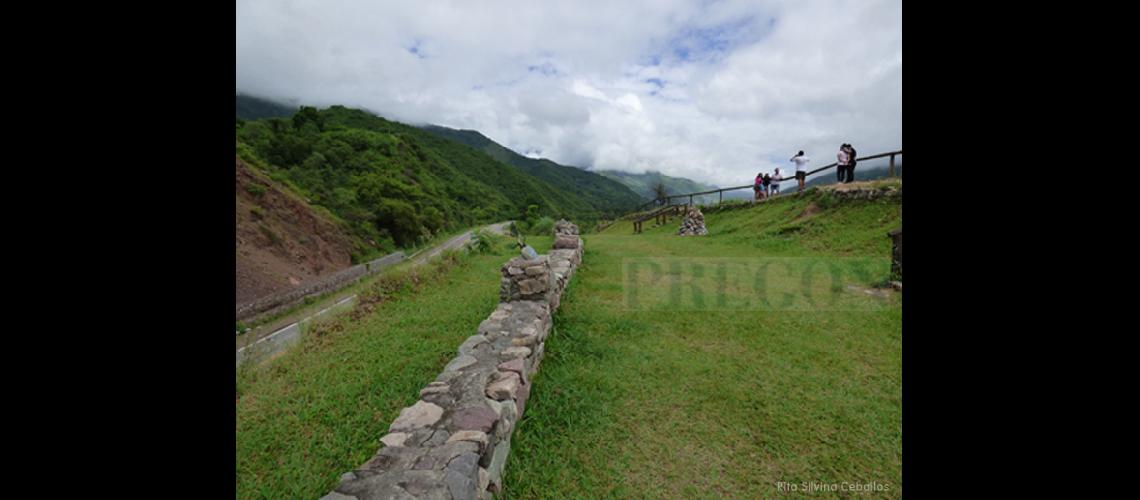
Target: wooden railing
<point x="668" y="199"/>
<point x="660" y="216"/>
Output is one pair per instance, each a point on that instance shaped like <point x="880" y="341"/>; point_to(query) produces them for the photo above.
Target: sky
<point x="714" y="91"/>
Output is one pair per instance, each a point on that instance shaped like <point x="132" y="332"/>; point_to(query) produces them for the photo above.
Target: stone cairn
<point x="454" y="441"/>
<point x="693" y="224"/>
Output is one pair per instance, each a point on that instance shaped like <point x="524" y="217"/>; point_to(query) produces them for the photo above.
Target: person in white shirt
<point x="801" y="169"/>
<point x="842" y="159"/>
<point x="776" y="178"/>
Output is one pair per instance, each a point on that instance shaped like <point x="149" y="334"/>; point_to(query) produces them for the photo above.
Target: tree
<point x="308" y="114"/>
<point x="660" y="192"/>
<point x="531" y="213"/>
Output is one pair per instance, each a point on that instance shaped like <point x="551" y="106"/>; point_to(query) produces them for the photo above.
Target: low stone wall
<point x="333" y="281"/>
<point x="454" y="441"/>
<point x="867" y="193"/>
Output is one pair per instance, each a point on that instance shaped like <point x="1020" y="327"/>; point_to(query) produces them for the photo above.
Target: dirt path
<point x="417" y="259"/>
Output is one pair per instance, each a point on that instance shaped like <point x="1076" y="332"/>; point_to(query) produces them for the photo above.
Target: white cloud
<point x="712" y="91"/>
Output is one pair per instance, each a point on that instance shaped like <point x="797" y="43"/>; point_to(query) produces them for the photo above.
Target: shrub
<point x="270" y="234"/>
<point x="483" y="242"/>
<point x="541" y="227"/>
<point x="255" y="189"/>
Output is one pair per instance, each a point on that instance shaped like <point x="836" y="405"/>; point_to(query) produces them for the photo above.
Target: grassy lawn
<point x="668" y="401"/>
<point x="320" y="409"/>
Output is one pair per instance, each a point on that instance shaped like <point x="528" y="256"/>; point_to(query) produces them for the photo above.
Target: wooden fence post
<point x="891" y="169"/>
<point x="896" y="253"/>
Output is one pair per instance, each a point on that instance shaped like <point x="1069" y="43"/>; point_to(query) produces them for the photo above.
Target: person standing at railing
<point x="801" y="162"/>
<point x="757" y="187"/>
<point x="776" y="178"/>
<point x="842" y="158"/>
<point x="850" y="164"/>
<point x="767" y="185"/>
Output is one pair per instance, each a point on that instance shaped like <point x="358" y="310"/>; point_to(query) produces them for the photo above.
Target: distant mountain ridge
<point x="604" y="194"/>
<point x="249" y="107"/>
<point x="643" y="184"/>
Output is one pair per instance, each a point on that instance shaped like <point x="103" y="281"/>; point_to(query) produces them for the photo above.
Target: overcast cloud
<point x="709" y="90"/>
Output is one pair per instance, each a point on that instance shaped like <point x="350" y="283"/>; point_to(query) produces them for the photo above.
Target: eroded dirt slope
<point x="282" y="242"/>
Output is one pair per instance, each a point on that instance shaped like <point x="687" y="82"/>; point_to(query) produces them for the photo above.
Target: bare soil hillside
<point x="282" y="242"/>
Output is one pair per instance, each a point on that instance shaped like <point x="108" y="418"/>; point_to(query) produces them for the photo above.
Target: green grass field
<point x="665" y="396"/>
<point x="657" y="402"/>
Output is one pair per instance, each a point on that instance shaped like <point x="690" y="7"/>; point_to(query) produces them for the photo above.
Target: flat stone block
<point x="506" y="387"/>
<point x="421" y="414"/>
<point x="395" y="439"/>
<point x="460" y="362"/>
<point x="480" y="418"/>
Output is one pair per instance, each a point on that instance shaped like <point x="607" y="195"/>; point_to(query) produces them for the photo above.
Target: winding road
<point x="287" y="330"/>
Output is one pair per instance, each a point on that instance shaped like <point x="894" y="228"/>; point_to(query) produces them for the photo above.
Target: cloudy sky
<point x="710" y="90"/>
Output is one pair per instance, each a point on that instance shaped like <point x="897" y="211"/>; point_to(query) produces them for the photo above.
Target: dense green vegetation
<point x="594" y="193"/>
<point x="396" y="185"/>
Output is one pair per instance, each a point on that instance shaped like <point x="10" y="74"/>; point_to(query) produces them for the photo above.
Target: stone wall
<point x="869" y="193"/>
<point x="454" y="441"/>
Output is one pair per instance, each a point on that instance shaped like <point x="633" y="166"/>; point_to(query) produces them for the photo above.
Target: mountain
<point x="607" y="197"/>
<point x="253" y="108"/>
<point x="394" y="185"/>
<point x="643" y="184"/>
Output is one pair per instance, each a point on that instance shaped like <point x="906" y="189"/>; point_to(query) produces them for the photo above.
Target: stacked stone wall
<point x="454" y="441"/>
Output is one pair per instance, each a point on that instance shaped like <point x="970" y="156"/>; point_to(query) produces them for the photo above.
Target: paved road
<point x="269" y="343"/>
<point x="457" y="242"/>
